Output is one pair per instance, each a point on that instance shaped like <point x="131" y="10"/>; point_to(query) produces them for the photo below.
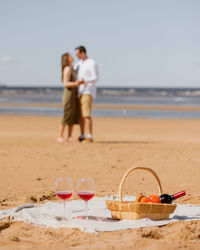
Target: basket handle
<point x="138" y="168"/>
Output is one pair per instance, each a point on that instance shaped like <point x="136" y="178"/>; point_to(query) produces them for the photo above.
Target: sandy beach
<point x="31" y="160"/>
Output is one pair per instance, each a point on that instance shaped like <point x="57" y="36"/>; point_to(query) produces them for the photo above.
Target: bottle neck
<point x="178" y="195"/>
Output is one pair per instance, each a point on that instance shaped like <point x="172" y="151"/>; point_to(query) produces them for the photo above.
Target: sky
<point x="136" y="43"/>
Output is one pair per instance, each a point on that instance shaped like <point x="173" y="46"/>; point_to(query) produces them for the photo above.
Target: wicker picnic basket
<point x="130" y="210"/>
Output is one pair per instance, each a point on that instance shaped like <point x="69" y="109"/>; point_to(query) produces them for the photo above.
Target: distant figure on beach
<point x="70" y="99"/>
<point x="87" y="70"/>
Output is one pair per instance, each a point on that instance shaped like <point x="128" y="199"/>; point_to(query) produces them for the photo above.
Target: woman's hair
<point x="64" y="62"/>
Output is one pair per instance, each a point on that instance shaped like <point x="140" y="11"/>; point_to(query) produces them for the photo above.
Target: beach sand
<point x="31" y="160"/>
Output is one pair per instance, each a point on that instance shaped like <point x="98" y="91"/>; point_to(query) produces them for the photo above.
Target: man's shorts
<point x="85" y="105"/>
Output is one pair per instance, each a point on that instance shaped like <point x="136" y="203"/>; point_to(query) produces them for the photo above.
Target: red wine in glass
<point x="64" y="195"/>
<point x="86" y="191"/>
<point x="86" y="196"/>
<point x="64" y="190"/>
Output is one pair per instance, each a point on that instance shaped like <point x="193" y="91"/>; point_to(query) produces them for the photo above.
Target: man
<point x="86" y="70"/>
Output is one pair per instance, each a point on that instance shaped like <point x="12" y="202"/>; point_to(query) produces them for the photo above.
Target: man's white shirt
<point x="88" y="71"/>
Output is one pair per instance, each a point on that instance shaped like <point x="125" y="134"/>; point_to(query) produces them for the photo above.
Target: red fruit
<point x="154" y="199"/>
<point x="144" y="199"/>
<point x="139" y="198"/>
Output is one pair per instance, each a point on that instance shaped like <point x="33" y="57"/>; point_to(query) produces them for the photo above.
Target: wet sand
<point x="107" y="106"/>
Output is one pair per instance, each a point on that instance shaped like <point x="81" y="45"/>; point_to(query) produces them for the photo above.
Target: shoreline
<point x="108" y="106"/>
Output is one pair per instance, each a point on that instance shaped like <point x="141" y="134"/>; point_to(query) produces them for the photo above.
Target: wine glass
<point x="64" y="190"/>
<point x="86" y="191"/>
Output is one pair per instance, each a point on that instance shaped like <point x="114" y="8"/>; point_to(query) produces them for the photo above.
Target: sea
<point x="148" y="98"/>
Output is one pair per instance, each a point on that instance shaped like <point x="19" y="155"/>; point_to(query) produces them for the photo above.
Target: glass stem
<point x="64" y="209"/>
<point x="86" y="206"/>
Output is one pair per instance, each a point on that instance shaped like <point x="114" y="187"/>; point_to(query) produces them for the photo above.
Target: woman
<point x="70" y="100"/>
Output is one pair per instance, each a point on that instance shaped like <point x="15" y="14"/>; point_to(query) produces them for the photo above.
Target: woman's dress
<point x="70" y="103"/>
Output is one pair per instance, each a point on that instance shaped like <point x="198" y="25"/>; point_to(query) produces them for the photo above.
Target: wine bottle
<point x="167" y="198"/>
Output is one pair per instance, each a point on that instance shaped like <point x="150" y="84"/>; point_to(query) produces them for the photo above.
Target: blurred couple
<point x="79" y="91"/>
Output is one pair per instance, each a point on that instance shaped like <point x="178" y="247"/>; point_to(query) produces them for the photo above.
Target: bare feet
<point x="71" y="139"/>
<point x="61" y="140"/>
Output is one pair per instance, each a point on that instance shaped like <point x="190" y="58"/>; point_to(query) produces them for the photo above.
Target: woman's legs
<point x="62" y="129"/>
<point x="70" y="129"/>
<point x="70" y="137"/>
<point x="61" y="133"/>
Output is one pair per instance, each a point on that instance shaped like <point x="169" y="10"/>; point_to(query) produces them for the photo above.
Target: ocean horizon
<point x="130" y="96"/>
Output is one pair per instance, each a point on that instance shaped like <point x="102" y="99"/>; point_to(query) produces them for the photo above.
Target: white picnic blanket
<point x="50" y="215"/>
